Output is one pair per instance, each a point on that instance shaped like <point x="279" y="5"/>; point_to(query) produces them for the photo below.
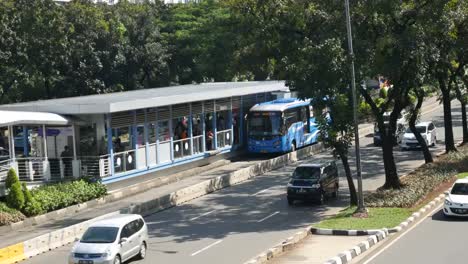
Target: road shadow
<point x="439" y="216"/>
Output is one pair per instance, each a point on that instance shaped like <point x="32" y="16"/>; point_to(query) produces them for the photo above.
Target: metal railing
<point x="125" y="161"/>
<point x="95" y="166"/>
<point x="224" y="138"/>
<point x="31" y="169"/>
<point x="197" y="144"/>
<point x="181" y="148"/>
<point x="4" y="167"/>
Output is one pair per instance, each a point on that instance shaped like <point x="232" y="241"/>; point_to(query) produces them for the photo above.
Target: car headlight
<point x="447" y="202"/>
<point x="316" y="186"/>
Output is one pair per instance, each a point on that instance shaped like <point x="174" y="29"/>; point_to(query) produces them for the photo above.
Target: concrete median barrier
<point x="12" y="254"/>
<point x="61" y="237"/>
<point x="192" y="192"/>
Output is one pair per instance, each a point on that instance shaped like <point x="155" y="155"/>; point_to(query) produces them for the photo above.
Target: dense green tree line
<point x="49" y="50"/>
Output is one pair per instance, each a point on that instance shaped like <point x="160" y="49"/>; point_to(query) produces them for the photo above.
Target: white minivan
<point x="112" y="241"/>
<point x="427" y="130"/>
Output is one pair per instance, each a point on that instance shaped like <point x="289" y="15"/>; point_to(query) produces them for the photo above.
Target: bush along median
<point x="388" y="208"/>
<point x="21" y="202"/>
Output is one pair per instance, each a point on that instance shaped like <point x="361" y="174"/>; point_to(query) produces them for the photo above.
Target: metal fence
<point x="181" y="148"/>
<point x="125" y="161"/>
<point x="224" y="138"/>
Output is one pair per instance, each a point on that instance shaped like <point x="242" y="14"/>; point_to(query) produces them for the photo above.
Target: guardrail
<point x="197" y="144"/>
<point x="31" y="169"/>
<point x="95" y="166"/>
<point x="125" y="161"/>
<point x="224" y="138"/>
<point x="4" y="167"/>
<point x="181" y="148"/>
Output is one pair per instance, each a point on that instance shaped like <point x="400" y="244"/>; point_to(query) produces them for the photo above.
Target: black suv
<point x="313" y="182"/>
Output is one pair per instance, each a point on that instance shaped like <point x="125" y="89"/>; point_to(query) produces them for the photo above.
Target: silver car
<point x="112" y="241"/>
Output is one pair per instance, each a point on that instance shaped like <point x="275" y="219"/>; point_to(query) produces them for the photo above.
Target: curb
<point x="63" y="236"/>
<point x="376" y="235"/>
<point x="348" y="255"/>
<point x="112" y="196"/>
<point x="284" y="246"/>
<point x="343" y="232"/>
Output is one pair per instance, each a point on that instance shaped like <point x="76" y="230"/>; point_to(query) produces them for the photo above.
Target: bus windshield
<point x="264" y="123"/>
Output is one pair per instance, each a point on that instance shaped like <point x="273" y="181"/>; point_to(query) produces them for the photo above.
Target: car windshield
<point x="100" y="235"/>
<point x="460" y="189"/>
<point x="420" y="129"/>
<point x="306" y="173"/>
<point x="264" y="123"/>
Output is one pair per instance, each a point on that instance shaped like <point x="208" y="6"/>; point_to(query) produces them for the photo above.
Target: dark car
<point x="313" y="182"/>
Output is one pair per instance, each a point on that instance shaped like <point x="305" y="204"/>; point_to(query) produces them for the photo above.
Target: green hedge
<point x="46" y="198"/>
<point x="57" y="196"/>
<point x="421" y="182"/>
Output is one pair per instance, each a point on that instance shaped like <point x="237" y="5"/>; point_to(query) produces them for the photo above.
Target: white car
<point x="456" y="200"/>
<point x="111" y="241"/>
<point x="427" y="130"/>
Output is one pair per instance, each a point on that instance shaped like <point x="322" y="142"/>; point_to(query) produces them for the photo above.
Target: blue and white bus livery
<point x="280" y="126"/>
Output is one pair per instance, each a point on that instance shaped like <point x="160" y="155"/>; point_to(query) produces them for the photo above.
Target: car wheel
<point x="142" y="253"/>
<point x="293" y="147"/>
<point x="335" y="193"/>
<point x="321" y="198"/>
<point x="290" y="201"/>
<point x="434" y="142"/>
<point x="117" y="260"/>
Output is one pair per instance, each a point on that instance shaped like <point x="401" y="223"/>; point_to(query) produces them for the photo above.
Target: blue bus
<point x="282" y="125"/>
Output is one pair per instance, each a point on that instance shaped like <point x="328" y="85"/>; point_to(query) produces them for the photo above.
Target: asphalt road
<point x="436" y="240"/>
<point x="237" y="223"/>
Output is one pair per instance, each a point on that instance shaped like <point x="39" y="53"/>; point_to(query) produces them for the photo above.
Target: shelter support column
<point x="110" y="148"/>
<point x="215" y="130"/>
<point x="76" y="164"/>
<point x="171" y="134"/>
<point x="45" y="162"/>
<point x="190" y="129"/>
<point x="11" y="138"/>
<point x="146" y="138"/>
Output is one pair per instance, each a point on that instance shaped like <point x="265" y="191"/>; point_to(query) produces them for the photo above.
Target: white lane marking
<point x="273" y="214"/>
<point x="262" y="191"/>
<point x="207" y="247"/>
<point x="196" y="217"/>
<point x="404" y="233"/>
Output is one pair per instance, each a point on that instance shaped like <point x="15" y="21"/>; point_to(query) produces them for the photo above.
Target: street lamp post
<point x="361" y="208"/>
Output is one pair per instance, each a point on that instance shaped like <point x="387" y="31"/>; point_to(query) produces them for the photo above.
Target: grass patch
<point x="462" y="175"/>
<point x="378" y="218"/>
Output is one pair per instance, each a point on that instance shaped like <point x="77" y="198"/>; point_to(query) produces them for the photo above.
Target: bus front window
<point x="265" y="124"/>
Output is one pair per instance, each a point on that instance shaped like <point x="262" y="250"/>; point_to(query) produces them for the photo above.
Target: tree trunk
<point x="352" y="189"/>
<point x="422" y="143"/>
<point x="391" y="176"/>
<point x="464" y="122"/>
<point x="463" y="103"/>
<point x="449" y="141"/>
<point x="412" y="126"/>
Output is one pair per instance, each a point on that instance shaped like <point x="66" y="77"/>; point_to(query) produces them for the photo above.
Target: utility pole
<point x="361" y="208"/>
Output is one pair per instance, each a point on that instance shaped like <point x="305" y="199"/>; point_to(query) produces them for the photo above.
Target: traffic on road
<point x="239" y="222"/>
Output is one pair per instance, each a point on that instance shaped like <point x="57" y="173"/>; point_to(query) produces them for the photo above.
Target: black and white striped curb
<point x="340" y="232"/>
<point x="417" y="214"/>
<point x="348" y="255"/>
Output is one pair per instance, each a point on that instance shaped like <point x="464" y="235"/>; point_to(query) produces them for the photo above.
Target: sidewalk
<point x="22" y="234"/>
